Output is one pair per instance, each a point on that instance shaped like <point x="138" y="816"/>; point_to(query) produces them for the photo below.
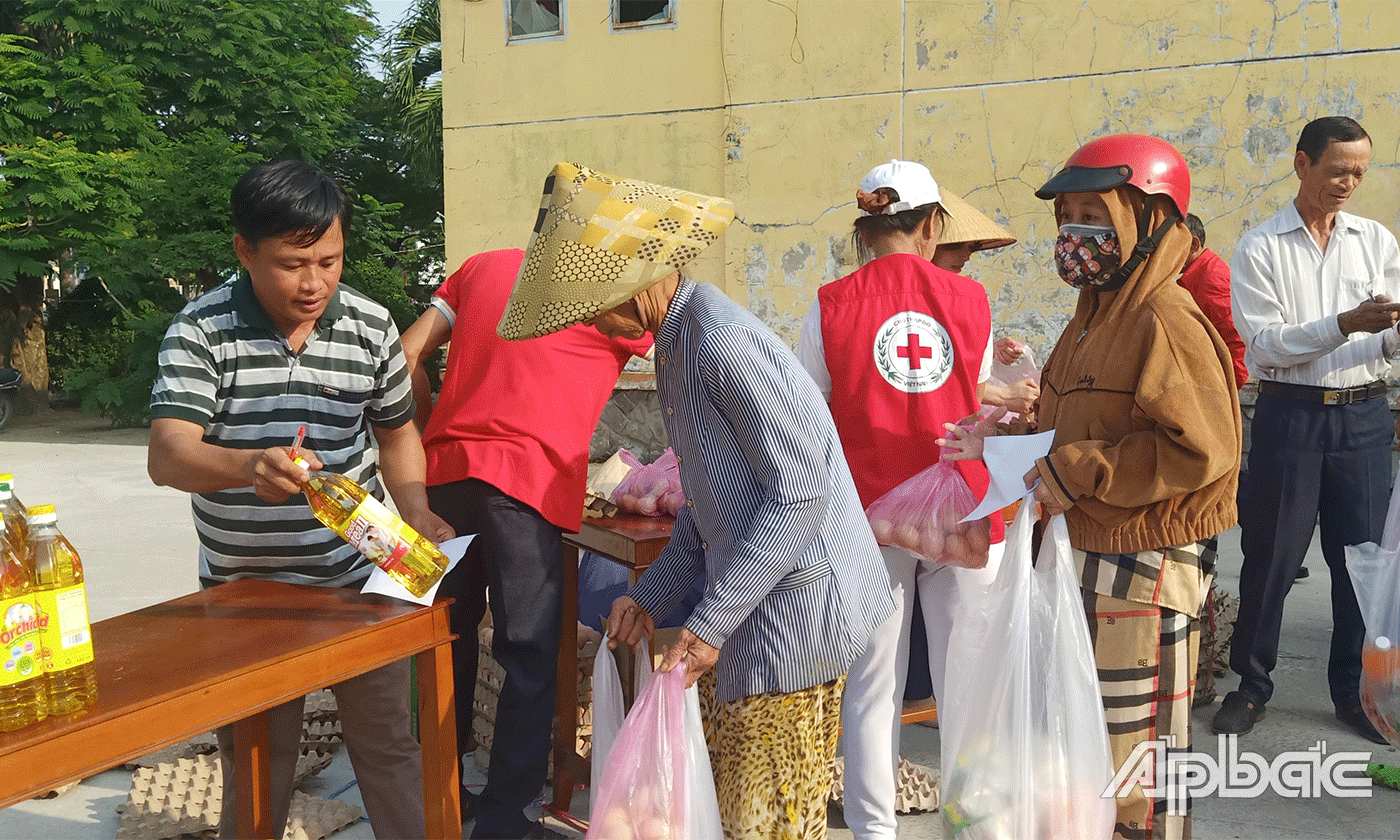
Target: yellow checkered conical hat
<point x="600" y="240"/>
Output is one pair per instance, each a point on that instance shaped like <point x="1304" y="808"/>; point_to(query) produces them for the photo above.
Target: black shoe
<point x="1355" y="717"/>
<point x="539" y="831"/>
<point x="468" y="806"/>
<point x="1302" y="573"/>
<point x="1237" y="715"/>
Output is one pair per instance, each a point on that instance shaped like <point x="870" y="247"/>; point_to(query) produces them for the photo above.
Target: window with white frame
<point x="641" y="14"/>
<point x="534" y="20"/>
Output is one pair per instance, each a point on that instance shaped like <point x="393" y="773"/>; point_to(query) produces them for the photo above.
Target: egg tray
<point x="916" y="792"/>
<point x="200" y="745"/>
<point x="490" y="677"/>
<point x="186" y="797"/>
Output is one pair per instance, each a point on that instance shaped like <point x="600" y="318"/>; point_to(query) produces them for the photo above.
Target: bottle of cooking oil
<point x="23" y="690"/>
<point x="348" y="509"/>
<point x="16" y="524"/>
<point x="58" y="575"/>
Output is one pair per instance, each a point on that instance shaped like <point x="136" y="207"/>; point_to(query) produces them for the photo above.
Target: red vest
<point x="904" y="342"/>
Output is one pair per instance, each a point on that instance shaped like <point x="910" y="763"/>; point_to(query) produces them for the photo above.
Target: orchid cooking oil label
<point x="379" y="535"/>
<point x="68" y="636"/>
<point x="22" y="637"/>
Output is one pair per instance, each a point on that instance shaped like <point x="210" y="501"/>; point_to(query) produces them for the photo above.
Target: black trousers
<point x="516" y="555"/>
<point x="1308" y="463"/>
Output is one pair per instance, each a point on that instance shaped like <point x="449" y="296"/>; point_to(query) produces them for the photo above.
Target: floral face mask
<point x="1087" y="255"/>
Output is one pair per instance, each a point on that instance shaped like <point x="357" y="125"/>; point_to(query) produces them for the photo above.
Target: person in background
<point x="1207" y="278"/>
<point x="861" y="345"/>
<point x="507" y="460"/>
<point x="794" y="585"/>
<point x="966" y="231"/>
<point x="1314" y="299"/>
<point x="240" y="370"/>
<point x="1140" y="393"/>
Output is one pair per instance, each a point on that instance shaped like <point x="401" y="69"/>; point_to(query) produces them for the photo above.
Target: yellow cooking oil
<point x="68" y="664"/>
<point x="363" y="521"/>
<point x="23" y="689"/>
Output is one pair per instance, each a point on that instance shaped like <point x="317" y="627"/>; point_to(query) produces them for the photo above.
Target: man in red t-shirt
<point x="507" y="452"/>
<point x="1207" y="278"/>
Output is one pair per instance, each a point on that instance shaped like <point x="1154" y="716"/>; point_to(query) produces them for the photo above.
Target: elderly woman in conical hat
<point x="794" y="581"/>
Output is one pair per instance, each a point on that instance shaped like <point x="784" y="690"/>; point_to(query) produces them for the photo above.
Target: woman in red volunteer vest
<point x="898" y="347"/>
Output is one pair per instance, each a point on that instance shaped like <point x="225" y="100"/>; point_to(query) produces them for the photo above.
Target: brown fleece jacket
<point x="1139" y="391"/>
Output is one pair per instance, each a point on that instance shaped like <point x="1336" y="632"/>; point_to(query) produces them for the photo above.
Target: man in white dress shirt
<point x="1312" y="290"/>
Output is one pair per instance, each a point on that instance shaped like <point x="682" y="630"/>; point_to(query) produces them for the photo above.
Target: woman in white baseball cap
<point x="898" y="347"/>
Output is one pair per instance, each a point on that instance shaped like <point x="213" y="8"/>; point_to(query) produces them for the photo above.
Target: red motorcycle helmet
<point x="1149" y="163"/>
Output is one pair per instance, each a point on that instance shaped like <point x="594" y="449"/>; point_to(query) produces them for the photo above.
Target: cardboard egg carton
<point x="321" y="735"/>
<point x="58" y="791"/>
<point x="917" y="789"/>
<point x="186" y="797"/>
<point x="173" y="798"/>
<point x="313" y="818"/>
<point x="320" y="705"/>
<point x="310" y="762"/>
<point x="200" y="745"/>
<point x="485" y="737"/>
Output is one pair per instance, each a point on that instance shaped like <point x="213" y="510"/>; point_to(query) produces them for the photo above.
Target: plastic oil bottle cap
<point x="1382" y="643"/>
<point x="42" y="515"/>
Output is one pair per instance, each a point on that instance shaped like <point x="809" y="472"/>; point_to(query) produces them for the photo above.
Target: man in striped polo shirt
<point x="241" y="368"/>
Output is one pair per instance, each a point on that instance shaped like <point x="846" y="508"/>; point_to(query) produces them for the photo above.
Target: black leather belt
<point x="1323" y="396"/>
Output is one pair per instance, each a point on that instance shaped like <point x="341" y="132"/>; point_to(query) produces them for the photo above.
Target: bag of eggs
<point x="921" y="516"/>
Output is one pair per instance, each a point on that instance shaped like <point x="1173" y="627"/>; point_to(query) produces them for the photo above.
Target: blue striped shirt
<point x="795" y="583"/>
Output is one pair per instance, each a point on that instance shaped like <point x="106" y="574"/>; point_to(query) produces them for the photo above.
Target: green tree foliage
<point x="415" y="78"/>
<point x="123" y="126"/>
<point x="385" y="285"/>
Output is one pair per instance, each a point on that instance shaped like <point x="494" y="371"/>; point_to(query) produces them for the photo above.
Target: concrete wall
<point x="782" y="106"/>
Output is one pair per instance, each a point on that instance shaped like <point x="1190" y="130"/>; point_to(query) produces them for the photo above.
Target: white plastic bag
<point x="1375" y="575"/>
<point x="608" y="705"/>
<point x="1025" y="749"/>
<point x="656" y="783"/>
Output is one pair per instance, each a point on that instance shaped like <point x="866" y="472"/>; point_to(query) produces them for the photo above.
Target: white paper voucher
<point x="380" y="583"/>
<point x="1008" y="459"/>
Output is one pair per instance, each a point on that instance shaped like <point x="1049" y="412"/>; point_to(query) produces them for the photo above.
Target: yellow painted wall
<point x="783" y="106"/>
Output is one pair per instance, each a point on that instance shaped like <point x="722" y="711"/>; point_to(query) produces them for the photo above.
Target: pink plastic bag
<point x="656" y="782"/>
<point x="921" y="516"/>
<point x="653" y="489"/>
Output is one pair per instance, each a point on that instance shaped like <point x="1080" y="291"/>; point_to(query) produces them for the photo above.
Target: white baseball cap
<point x="911" y="180"/>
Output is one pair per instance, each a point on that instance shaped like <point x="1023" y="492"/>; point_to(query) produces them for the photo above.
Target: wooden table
<point x="226" y="655"/>
<point x="635" y="542"/>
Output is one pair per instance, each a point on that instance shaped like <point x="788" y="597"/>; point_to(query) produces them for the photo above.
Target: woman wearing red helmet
<point x="1142" y="466"/>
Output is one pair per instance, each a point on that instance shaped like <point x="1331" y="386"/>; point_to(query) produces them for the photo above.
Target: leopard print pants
<point x="772" y="756"/>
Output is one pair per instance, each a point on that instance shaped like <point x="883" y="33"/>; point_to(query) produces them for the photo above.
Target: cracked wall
<point x="782" y="106"/>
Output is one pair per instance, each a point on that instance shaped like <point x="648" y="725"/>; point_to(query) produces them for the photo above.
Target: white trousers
<point x="873" y="700"/>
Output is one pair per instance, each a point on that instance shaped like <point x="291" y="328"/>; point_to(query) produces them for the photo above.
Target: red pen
<point x="296" y="444"/>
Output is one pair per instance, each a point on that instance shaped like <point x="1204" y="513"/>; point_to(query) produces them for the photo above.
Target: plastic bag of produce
<point x="653" y="489"/>
<point x="1375" y="575"/>
<point x="1024" y="741"/>
<point x="656" y="783"/>
<point x="608" y="704"/>
<point x="921" y="516"/>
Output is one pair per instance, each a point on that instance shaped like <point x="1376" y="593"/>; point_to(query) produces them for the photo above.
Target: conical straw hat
<point x="598" y="241"/>
<point x="966" y="223"/>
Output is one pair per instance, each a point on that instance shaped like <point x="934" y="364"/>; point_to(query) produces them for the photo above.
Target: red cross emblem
<point x="914" y="352"/>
